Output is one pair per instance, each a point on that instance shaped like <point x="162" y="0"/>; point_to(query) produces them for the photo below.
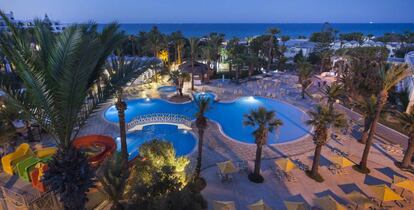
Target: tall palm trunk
<point x="258" y="160"/>
<point x="331" y="105"/>
<point x="192" y="72"/>
<point x="364" y="135"/>
<point x="316" y="160"/>
<point x="200" y="151"/>
<point x="409" y="153"/>
<point x="250" y="70"/>
<point x="303" y="92"/>
<point x="209" y="70"/>
<point x="121" y="106"/>
<point x="237" y="73"/>
<point x="99" y="88"/>
<point x="178" y="54"/>
<point x="269" y="55"/>
<point x="381" y="102"/>
<point x="29" y="131"/>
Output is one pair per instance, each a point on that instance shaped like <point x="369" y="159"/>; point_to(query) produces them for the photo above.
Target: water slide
<point x="46" y="152"/>
<point x="96" y="147"/>
<point x="36" y="177"/>
<point x="25" y="167"/>
<point x="9" y="161"/>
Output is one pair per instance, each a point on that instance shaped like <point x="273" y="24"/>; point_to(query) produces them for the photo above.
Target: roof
<point x="302" y="43"/>
<point x="199" y="68"/>
<point x="409" y="58"/>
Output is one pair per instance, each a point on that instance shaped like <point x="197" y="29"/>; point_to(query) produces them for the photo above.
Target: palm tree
<point x="155" y="41"/>
<point x="121" y="71"/>
<point x="367" y="106"/>
<point x="272" y="33"/>
<point x="207" y="53"/>
<point x="266" y="122"/>
<point x="113" y="178"/>
<point x="178" y="78"/>
<point x="180" y="47"/>
<point x="389" y="78"/>
<point x="214" y="41"/>
<point x="322" y="119"/>
<point x="305" y="73"/>
<point x="57" y="77"/>
<point x="194" y="48"/>
<point x="407" y="122"/>
<point x="332" y="93"/>
<point x="202" y="104"/>
<point x="252" y="61"/>
<point x="178" y="40"/>
<point x="284" y="39"/>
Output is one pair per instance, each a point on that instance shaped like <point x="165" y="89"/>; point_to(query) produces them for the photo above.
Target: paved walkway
<point x="382" y="131"/>
<point x="274" y="190"/>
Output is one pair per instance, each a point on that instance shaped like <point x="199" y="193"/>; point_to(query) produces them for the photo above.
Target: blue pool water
<point x="228" y="115"/>
<point x="208" y="95"/>
<point x="167" y="89"/>
<point x="183" y="141"/>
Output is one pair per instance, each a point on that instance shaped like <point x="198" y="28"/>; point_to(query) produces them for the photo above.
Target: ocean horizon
<point x="243" y="30"/>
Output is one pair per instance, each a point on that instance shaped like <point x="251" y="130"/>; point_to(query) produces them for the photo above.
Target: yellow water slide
<point x="9" y="161"/>
<point x="46" y="152"/>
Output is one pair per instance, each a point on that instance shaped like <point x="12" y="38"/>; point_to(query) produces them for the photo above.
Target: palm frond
<point x="394" y="75"/>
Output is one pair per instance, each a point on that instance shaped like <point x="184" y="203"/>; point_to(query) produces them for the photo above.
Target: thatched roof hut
<point x="199" y="68"/>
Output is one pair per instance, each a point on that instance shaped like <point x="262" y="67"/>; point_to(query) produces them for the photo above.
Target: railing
<point x="159" y="118"/>
<point x="16" y="199"/>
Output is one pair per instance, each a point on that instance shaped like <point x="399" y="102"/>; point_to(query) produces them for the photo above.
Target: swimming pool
<point x="184" y="142"/>
<point x="228" y="115"/>
<point x="167" y="89"/>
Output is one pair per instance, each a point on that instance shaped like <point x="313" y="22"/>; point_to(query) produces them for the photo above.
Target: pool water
<point x="228" y="115"/>
<point x="211" y="96"/>
<point x="167" y="89"/>
<point x="184" y="142"/>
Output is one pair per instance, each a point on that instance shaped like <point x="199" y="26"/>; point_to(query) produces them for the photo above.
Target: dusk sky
<point x="215" y="11"/>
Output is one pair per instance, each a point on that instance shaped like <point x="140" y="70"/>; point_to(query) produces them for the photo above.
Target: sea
<point x="252" y="29"/>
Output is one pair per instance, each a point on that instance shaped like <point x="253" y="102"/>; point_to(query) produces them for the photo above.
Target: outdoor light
<point x="147" y="99"/>
<point x="185" y="131"/>
<point x="251" y="99"/>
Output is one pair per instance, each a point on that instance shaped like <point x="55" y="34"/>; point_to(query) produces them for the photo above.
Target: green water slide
<point x="26" y="166"/>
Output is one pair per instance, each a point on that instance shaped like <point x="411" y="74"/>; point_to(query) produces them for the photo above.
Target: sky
<point x="215" y="11"/>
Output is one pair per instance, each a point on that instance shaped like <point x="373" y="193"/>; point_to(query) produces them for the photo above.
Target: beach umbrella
<point x="383" y="193"/>
<point x="291" y="205"/>
<point x="328" y="203"/>
<point x="285" y="164"/>
<point x="404" y="183"/>
<point x="360" y="200"/>
<point x="342" y="161"/>
<point x="259" y="205"/>
<point x="224" y="205"/>
<point x="227" y="167"/>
